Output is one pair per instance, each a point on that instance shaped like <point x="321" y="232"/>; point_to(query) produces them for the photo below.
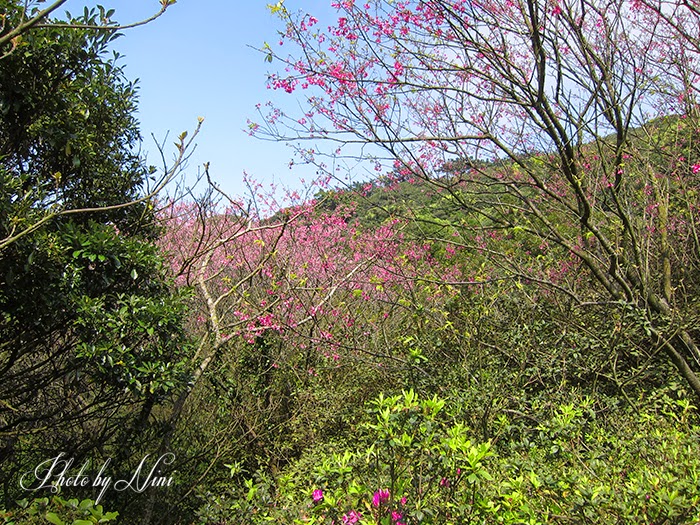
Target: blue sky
<point x="196" y="60"/>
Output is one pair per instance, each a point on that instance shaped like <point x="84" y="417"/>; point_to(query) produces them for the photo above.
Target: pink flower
<point x="317" y="496"/>
<point x="381" y="496"/>
<point x="696" y="168"/>
<point x="351" y="517"/>
<point x="395" y="516"/>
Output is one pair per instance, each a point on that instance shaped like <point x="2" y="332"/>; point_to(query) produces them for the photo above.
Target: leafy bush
<point x="413" y="461"/>
<point x="57" y="511"/>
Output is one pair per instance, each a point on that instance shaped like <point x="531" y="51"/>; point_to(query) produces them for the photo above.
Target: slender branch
<point x="164" y="6"/>
<point x="182" y="156"/>
<point x="31" y="23"/>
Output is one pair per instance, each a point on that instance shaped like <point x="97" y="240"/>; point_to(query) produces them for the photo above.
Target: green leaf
<point x="52" y="517"/>
<point x="275" y="8"/>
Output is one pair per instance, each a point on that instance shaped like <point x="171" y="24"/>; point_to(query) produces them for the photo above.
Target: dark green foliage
<point x="68" y="130"/>
<point x="91" y="332"/>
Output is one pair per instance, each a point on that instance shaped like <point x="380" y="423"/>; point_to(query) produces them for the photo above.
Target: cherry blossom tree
<point x="570" y="124"/>
<point x="287" y="302"/>
<point x="304" y="275"/>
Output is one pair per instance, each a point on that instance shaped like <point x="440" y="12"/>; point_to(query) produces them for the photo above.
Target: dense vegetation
<point x="499" y="327"/>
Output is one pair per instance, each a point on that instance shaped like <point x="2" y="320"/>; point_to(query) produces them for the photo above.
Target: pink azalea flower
<point x="317" y="495"/>
<point x="351" y="517"/>
<point x="381" y="496"/>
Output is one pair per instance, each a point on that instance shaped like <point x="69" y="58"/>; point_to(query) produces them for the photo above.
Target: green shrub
<point x="57" y="511"/>
<point x="413" y="461"/>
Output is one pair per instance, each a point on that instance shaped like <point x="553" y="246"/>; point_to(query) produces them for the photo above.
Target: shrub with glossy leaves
<point x="411" y="461"/>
